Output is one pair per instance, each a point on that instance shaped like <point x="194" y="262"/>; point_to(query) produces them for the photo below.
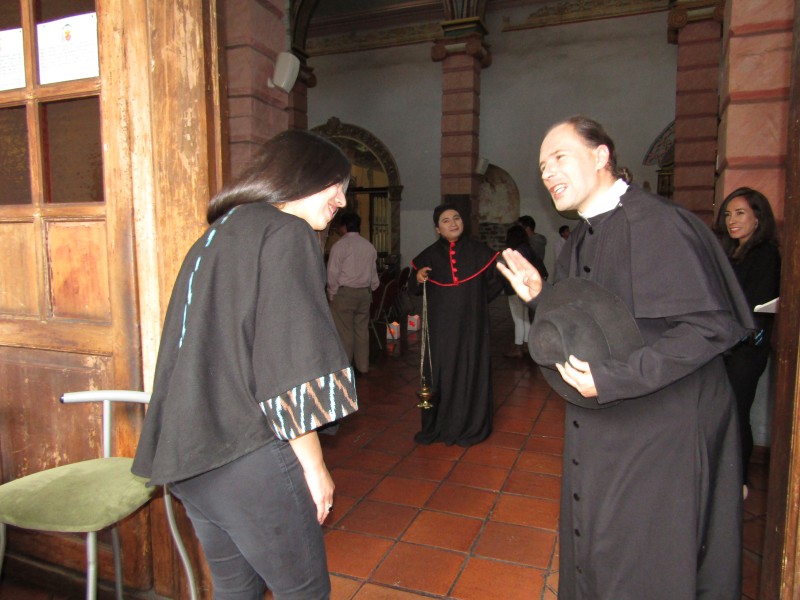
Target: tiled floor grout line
<point x="487" y="519"/>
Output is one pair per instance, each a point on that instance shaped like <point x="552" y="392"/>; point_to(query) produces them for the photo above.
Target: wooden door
<point x="106" y="166"/>
<point x="67" y="284"/>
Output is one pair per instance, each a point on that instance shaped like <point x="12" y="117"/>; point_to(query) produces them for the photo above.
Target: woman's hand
<point x="422" y="274"/>
<point x="522" y="275"/>
<point x="320" y="484"/>
<point x="318" y="479"/>
<point x="578" y="374"/>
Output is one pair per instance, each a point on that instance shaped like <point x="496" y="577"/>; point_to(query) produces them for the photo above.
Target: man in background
<point x="536" y="240"/>
<point x="563" y="234"/>
<point x="352" y="276"/>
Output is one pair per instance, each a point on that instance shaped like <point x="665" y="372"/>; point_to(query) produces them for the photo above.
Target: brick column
<point x="254" y="33"/>
<point x="696" y="28"/>
<point x="754" y="103"/>
<point x="463" y="55"/>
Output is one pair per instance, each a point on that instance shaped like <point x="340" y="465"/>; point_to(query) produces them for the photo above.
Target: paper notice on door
<point x="12" y="60"/>
<point x="768" y="307"/>
<point x="68" y="49"/>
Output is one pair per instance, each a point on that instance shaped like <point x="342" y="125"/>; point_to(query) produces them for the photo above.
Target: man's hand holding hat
<point x="578" y="374"/>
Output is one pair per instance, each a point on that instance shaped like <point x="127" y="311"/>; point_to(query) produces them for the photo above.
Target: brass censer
<point x="426" y="392"/>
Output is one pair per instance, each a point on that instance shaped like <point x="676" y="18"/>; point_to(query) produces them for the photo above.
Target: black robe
<point x="462" y="281"/>
<point x="651" y="495"/>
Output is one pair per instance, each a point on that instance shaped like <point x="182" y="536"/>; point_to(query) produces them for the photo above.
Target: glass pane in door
<point x="15" y="174"/>
<point x="73" y="162"/>
<point x="50" y="10"/>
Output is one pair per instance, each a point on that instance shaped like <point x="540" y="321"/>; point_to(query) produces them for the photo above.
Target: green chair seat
<point x="84" y="496"/>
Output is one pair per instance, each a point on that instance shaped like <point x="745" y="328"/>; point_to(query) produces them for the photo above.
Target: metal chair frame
<point x="381" y="312"/>
<point x="107" y="397"/>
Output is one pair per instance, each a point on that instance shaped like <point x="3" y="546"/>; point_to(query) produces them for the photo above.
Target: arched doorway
<point x="662" y="154"/>
<point x="375" y="188"/>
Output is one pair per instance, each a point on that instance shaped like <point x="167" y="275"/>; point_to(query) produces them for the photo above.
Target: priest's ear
<point x="601" y="155"/>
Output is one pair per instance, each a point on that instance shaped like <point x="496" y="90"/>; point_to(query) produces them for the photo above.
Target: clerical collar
<point x="607" y="201"/>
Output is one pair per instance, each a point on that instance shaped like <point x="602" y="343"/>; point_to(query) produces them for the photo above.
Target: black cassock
<point x="651" y="494"/>
<point x="462" y="281"/>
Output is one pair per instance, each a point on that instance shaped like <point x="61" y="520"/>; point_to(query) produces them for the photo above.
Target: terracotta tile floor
<point x="447" y="522"/>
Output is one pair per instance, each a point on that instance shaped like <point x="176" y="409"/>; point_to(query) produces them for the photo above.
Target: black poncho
<point x="248" y="351"/>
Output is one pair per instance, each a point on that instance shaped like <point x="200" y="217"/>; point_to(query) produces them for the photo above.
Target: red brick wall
<point x="754" y="98"/>
<point x="460" y="121"/>
<point x="253" y="34"/>
<point x="696" y="103"/>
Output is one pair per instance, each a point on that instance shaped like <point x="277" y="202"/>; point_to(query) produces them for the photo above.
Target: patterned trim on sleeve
<point x="311" y="404"/>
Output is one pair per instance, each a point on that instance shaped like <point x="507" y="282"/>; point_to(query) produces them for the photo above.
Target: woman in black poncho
<point x="249" y="366"/>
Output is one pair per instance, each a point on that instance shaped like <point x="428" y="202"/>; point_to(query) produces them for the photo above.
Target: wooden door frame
<point x="161" y="105"/>
<point x="779" y="567"/>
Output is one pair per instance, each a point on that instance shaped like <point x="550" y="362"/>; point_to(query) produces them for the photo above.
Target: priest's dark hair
<point x="290" y="166"/>
<point x="765" y="231"/>
<point x="595" y="135"/>
<point x="437" y="212"/>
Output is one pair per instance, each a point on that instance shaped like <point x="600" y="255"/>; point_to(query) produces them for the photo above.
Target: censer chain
<point x="425" y="393"/>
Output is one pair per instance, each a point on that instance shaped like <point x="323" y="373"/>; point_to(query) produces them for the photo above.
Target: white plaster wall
<point x="394" y="93"/>
<point x="619" y="71"/>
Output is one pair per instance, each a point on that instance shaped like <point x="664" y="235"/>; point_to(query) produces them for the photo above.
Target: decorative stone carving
<point x="337" y="131"/>
<point x="683" y="12"/>
<point x="334" y="128"/>
<point x="471" y="45"/>
<point x="576" y="11"/>
<point x="369" y="40"/>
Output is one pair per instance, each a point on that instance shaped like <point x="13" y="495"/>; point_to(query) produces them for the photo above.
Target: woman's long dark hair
<point x="594" y="135"/>
<point x="765" y="231"/>
<point x="292" y="165"/>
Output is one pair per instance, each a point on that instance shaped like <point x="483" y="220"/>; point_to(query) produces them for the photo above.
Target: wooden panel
<point x="78" y="270"/>
<point x="19" y="292"/>
<point x="36" y="431"/>
<point x="83" y="337"/>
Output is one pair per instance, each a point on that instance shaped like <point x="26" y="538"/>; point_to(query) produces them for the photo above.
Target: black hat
<point x="580" y="318"/>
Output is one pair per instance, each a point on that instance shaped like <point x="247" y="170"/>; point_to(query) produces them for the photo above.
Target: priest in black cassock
<point x="459" y="275"/>
<point x="651" y="497"/>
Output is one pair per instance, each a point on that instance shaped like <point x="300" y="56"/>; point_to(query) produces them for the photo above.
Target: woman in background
<point x="746" y="229"/>
<point x="517" y="239"/>
<point x="249" y="366"/>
